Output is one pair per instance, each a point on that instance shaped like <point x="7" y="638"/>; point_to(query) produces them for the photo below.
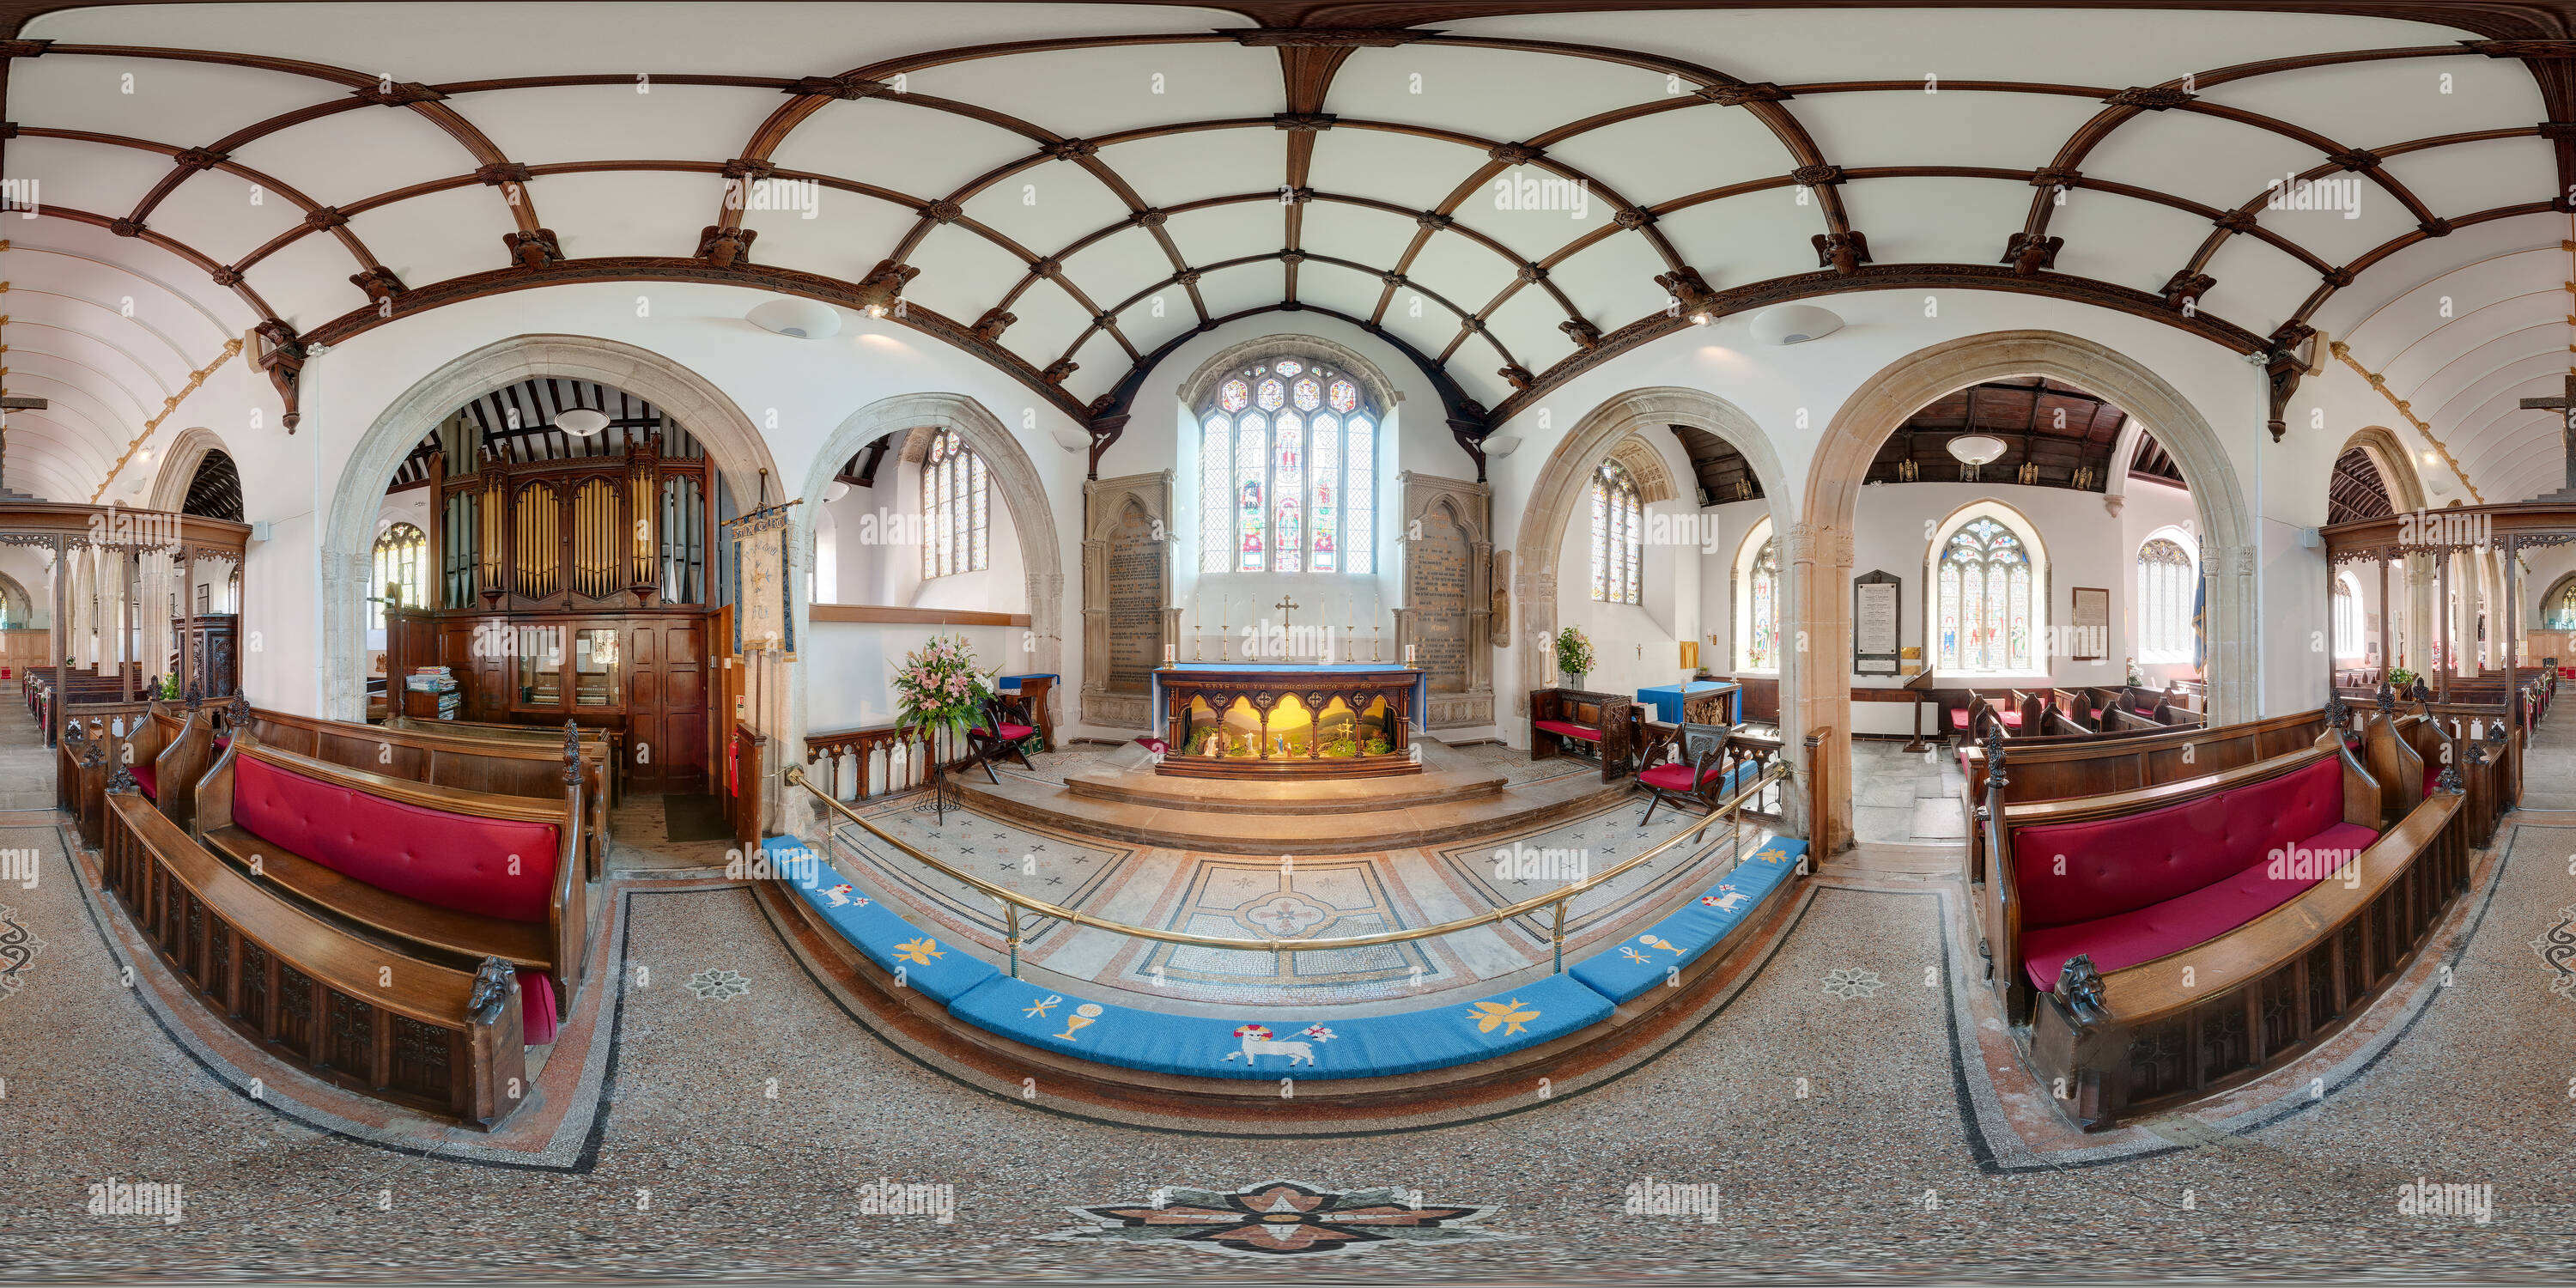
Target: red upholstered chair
<point x="1006" y="731"/>
<point x="1684" y="766"/>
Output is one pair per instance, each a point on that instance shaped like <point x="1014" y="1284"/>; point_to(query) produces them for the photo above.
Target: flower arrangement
<point x="938" y="687"/>
<point x="2400" y="679"/>
<point x="1573" y="652"/>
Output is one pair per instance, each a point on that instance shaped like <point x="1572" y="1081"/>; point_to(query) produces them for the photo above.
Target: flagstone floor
<point x="1832" y="1114"/>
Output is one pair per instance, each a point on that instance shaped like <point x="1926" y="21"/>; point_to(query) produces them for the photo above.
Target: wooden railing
<point x="878" y="760"/>
<point x="341" y="1008"/>
<point x="93" y="743"/>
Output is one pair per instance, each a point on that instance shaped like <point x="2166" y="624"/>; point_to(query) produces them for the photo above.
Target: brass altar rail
<point x="1013" y="902"/>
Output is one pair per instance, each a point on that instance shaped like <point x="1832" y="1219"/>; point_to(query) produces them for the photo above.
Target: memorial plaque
<point x="1436" y="577"/>
<point x="1877" y="610"/>
<point x="1135" y="602"/>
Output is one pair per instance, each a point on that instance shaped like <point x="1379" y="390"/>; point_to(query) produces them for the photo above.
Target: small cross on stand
<point x="1285" y="605"/>
<point x="2565" y="405"/>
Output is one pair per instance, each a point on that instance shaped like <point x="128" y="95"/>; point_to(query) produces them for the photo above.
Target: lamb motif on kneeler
<point x="841" y="896"/>
<point x="1257" y="1043"/>
<point x="1727" y="902"/>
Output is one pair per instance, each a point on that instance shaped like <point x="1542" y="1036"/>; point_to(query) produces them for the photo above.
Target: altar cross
<point x="1285" y="605"/>
<point x="2565" y="405"/>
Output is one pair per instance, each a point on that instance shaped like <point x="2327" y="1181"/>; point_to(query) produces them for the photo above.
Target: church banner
<point x="765" y="617"/>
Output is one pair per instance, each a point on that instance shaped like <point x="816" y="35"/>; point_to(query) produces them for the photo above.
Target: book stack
<point x="438" y="680"/>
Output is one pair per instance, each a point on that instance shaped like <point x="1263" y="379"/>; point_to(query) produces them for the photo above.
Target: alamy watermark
<point x="2421" y="1197"/>
<point x="1651" y="1197"/>
<point x="18" y="865"/>
<point x="113" y="1197"/>
<point x="2290" y="192"/>
<point x="896" y="1198"/>
<point x="1522" y="862"/>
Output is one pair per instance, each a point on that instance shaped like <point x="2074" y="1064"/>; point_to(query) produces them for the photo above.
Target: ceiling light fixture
<point x="1976" y="449"/>
<point x="581" y="422"/>
<point x="1794" y="323"/>
<point x="796" y="317"/>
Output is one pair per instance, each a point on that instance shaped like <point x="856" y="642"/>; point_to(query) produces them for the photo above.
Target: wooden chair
<point x="1005" y="730"/>
<point x="1697" y="773"/>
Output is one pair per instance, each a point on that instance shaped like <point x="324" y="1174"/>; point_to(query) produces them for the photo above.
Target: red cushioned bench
<point x="2129" y="877"/>
<point x="446" y="875"/>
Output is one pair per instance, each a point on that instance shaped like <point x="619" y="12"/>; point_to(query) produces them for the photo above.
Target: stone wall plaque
<point x="1126" y="586"/>
<point x="1436" y="589"/>
<point x="1135" y="601"/>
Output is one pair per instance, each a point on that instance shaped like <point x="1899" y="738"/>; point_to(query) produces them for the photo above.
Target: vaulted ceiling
<point x="1067" y="191"/>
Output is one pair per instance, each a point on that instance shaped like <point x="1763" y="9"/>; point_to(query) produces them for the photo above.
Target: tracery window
<point x="2562" y="615"/>
<point x="1617" y="537"/>
<point x="1985" y="619"/>
<point x="954" y="537"/>
<point x="1287" y="471"/>
<point x="400" y="549"/>
<point x="1758" y="594"/>
<point x="2347" y="620"/>
<point x="2167" y="581"/>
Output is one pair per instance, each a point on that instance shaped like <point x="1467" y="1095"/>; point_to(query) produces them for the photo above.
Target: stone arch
<point x="732" y="442"/>
<point x="1820" y="546"/>
<point x="1562" y="487"/>
<point x="1008" y="469"/>
<point x="2538" y="612"/>
<point x="15" y="602"/>
<point x="2396" y="467"/>
<point x="179" y="467"/>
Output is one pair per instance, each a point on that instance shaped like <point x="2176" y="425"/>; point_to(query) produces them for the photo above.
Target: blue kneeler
<point x="1375" y="1046"/>
<point x="1644" y="960"/>
<point x="942" y="969"/>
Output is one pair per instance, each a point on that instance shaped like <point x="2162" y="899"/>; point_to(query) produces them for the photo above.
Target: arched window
<point x="2168" y="579"/>
<point x="1992" y="601"/>
<point x="2348" y="627"/>
<point x="1758" y="600"/>
<point x="2562" y="613"/>
<point x="1287" y="472"/>
<point x="953" y="496"/>
<point x="399" y="550"/>
<point x="1617" y="537"/>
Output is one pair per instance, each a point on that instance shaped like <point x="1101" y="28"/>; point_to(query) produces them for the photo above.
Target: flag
<point x="2200" y="625"/>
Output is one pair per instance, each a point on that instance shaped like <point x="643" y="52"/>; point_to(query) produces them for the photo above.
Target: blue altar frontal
<point x="1667" y="699"/>
<point x="1292" y="676"/>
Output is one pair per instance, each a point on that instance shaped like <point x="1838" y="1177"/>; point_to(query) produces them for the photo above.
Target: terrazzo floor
<point x="1903" y="798"/>
<point x="747" y="1134"/>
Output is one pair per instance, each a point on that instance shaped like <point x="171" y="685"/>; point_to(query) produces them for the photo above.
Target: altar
<point x="1287" y="719"/>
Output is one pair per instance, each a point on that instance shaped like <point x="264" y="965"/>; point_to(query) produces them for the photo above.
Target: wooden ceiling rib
<point x="2357" y="491"/>
<point x="214" y="491"/>
<point x="2066" y="433"/>
<point x="1313" y="38"/>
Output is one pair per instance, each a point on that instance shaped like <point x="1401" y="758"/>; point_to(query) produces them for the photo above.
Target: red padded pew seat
<point x="1570" y="729"/>
<point x="449" y="860"/>
<point x="2010" y="719"/>
<point x="147" y="777"/>
<point x="2145" y="885"/>
<point x="1010" y="732"/>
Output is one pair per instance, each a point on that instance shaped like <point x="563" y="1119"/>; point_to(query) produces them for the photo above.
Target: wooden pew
<point x="2479" y="744"/>
<point x="92" y="745"/>
<point x="348" y="1010"/>
<point x="466" y="899"/>
<point x="1605" y="721"/>
<point x="607" y="745"/>
<point x="2149" y="1036"/>
<point x="511" y="760"/>
<point x="2057" y="768"/>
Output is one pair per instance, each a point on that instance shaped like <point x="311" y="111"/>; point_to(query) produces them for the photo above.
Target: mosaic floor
<point x="1833" y="1115"/>
<point x="1290" y="899"/>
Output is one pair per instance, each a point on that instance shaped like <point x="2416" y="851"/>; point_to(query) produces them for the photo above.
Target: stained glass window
<point x="1287" y="454"/>
<point x="2563" y="616"/>
<point x="955" y="509"/>
<point x="1987" y="615"/>
<point x="2166" y="578"/>
<point x="399" y="550"/>
<point x="1618" y="539"/>
<point x="1762" y="609"/>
